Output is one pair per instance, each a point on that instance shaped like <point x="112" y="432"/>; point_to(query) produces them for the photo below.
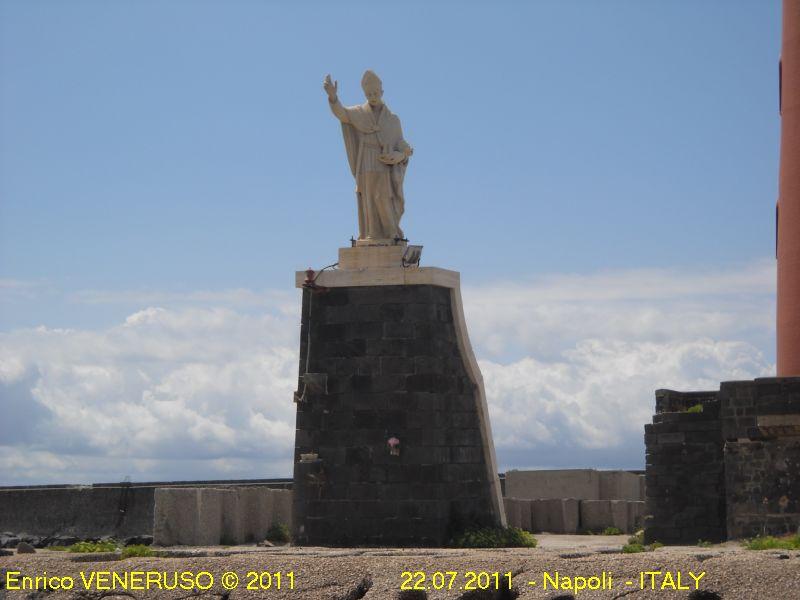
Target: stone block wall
<point x="393" y="367"/>
<point x="761" y="424"/>
<point x="730" y="472"/>
<point x="763" y="483"/>
<point x="685" y="480"/>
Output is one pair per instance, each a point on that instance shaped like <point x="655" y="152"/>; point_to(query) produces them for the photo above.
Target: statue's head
<point x="373" y="88"/>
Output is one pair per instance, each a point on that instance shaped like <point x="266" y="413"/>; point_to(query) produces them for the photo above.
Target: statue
<point x="378" y="157"/>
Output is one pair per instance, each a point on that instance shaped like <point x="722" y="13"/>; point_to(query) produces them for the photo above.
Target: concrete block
<point x="231" y="524"/>
<point x="636" y="512"/>
<point x="208" y="530"/>
<point x="625" y="515"/>
<point x="525" y="515"/>
<point x="175" y="515"/>
<point x="281" y="507"/>
<point x="596" y="515"/>
<point x="211" y="516"/>
<point x="255" y="513"/>
<point x="619" y="485"/>
<point x="512" y="508"/>
<point x="187" y="516"/>
<point x="553" y="484"/>
<point x="556" y="515"/>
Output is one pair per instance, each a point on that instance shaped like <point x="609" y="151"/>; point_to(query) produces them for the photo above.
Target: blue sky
<point x="606" y="172"/>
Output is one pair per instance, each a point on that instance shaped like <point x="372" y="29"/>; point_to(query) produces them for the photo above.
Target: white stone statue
<point x="378" y="157"/>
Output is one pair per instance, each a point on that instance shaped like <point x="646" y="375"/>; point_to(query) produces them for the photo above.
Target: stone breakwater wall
<point x="727" y="470"/>
<point x="118" y="510"/>
<point x="79" y="511"/>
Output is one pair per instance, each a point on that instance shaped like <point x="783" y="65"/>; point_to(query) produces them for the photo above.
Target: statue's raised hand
<point x="331" y="87"/>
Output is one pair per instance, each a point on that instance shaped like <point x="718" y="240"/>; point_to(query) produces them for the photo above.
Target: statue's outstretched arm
<point x="339" y="111"/>
<point x="332" y="89"/>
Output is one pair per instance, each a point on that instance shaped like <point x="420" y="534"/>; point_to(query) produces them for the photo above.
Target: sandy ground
<point x="376" y="573"/>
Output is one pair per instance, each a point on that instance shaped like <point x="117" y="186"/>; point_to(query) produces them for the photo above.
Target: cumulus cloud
<point x="199" y="385"/>
<point x="178" y="386"/>
<point x="571" y="362"/>
<point x="544" y="317"/>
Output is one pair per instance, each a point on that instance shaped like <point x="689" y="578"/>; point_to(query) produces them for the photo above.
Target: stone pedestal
<point x="393" y="443"/>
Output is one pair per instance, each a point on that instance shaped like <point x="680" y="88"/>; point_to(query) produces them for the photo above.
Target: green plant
<point x="495" y="537"/>
<point x="704" y="543"/>
<point x="58" y="548"/>
<point x="106" y="546"/>
<point x="279" y="534"/>
<point x="137" y="550"/>
<point x="697" y="408"/>
<point x="769" y="542"/>
<point x="637" y="538"/>
<point x="612" y="531"/>
<point x="633" y="548"/>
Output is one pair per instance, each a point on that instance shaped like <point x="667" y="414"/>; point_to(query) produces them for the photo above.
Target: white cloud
<point x="200" y="386"/>
<point x="544" y="317"/>
<point x="601" y="392"/>
<point x="167" y="384"/>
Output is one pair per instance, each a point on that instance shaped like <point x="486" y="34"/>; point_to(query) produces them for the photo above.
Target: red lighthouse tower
<point x="788" y="324"/>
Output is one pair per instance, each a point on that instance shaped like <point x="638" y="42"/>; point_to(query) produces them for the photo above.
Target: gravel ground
<point x="376" y="573"/>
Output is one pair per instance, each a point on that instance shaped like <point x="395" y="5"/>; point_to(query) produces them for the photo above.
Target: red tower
<point x="788" y="325"/>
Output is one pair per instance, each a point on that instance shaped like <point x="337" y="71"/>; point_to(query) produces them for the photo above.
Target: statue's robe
<point x="379" y="187"/>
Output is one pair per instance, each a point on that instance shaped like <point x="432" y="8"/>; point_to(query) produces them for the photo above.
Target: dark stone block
<point x="391" y="312"/>
<point x="429" y="364"/>
<point x="422" y="313"/>
<point x="365" y="419"/>
<point x="392" y="420"/>
<point x="466" y="454"/>
<point x="443" y="313"/>
<point x="462" y="403"/>
<point x="464" y="419"/>
<point x="397" y="401"/>
<point x="434" y="437"/>
<point x="359" y="455"/>
<point x="393" y="330"/>
<point x="326" y="333"/>
<point x="464" y="437"/>
<point x="389" y="383"/>
<point x="419" y="347"/>
<point x="365" y="331"/>
<point x="361" y="383"/>
<point x="432" y="473"/>
<point x="345" y="348"/>
<point x="429" y="382"/>
<point x="384" y="348"/>
<point x="397" y="365"/>
<point x="429" y="401"/>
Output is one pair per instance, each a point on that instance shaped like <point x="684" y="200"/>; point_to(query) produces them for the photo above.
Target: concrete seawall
<point x="92" y="511"/>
